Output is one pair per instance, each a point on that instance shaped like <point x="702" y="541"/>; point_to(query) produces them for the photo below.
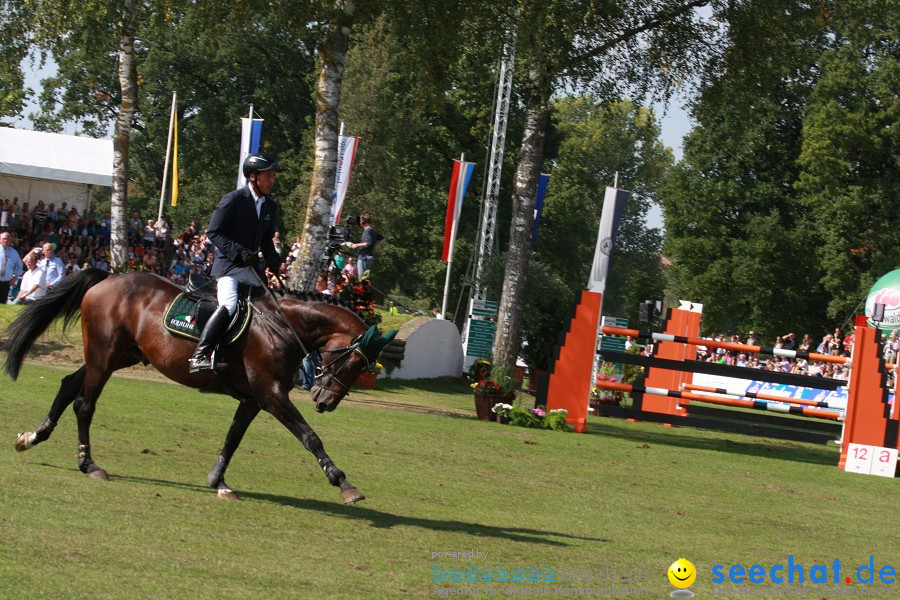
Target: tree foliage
<point x="778" y="218"/>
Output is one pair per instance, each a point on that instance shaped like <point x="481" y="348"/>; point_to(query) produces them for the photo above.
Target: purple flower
<point x="538" y="412"/>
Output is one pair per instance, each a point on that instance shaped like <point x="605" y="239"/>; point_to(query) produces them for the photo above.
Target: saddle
<point x="190" y="310"/>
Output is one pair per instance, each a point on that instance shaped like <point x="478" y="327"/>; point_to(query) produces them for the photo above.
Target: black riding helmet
<point x="258" y="162"/>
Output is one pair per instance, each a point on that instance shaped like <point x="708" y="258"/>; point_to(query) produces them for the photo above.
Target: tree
<point x="777" y="218"/>
<point x="417" y="105"/>
<point x="848" y="179"/>
<point x="61" y="26"/>
<point x="14" y="48"/>
<point x="328" y="94"/>
<point x="610" y="47"/>
<point x="592" y="141"/>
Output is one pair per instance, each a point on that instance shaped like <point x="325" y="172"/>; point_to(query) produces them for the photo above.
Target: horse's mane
<point x="323" y="298"/>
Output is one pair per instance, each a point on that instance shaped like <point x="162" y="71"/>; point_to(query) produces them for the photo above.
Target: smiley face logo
<point x="682" y="573"/>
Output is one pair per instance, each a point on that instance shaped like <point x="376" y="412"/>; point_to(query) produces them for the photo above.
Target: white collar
<point x="256" y="197"/>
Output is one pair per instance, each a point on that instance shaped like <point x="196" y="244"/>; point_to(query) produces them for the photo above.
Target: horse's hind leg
<point x="68" y="391"/>
<point x="243" y="416"/>
<point x="84" y="407"/>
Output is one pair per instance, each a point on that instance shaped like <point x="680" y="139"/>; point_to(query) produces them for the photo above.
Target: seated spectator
<point x="33" y="285"/>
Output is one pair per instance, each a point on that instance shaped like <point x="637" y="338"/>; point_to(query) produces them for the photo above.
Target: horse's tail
<point x="63" y="300"/>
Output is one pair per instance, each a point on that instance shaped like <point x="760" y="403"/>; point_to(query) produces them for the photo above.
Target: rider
<point x="242" y="225"/>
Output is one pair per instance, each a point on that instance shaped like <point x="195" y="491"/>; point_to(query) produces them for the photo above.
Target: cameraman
<point x="369" y="241"/>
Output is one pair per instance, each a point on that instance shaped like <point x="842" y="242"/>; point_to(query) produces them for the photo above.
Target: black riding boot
<point x="209" y="339"/>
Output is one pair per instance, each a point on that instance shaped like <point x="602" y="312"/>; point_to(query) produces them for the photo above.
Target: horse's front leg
<point x="290" y="417"/>
<point x="243" y="416"/>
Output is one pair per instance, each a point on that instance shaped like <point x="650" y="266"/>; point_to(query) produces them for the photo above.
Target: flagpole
<point x="162" y="191"/>
<point x="462" y="159"/>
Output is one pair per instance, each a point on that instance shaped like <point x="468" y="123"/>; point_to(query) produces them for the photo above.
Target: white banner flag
<point x="613" y="205"/>
<point x="346" y="153"/>
<point x="251" y="132"/>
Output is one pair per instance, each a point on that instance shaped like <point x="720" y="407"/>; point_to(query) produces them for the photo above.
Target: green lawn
<point x="633" y="496"/>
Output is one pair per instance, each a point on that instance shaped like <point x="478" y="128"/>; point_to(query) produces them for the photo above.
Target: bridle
<point x="345" y="352"/>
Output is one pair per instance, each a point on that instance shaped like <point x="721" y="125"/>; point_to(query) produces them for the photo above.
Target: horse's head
<point x="344" y="358"/>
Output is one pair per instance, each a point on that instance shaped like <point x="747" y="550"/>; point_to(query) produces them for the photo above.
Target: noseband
<point x="345" y="353"/>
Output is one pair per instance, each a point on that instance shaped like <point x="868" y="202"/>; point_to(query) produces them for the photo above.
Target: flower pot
<point x="366" y="380"/>
<point x="501" y="419"/>
<point x="485" y="402"/>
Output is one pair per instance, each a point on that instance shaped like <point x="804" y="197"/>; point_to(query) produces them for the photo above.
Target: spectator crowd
<point x="63" y="241"/>
<point x="835" y="343"/>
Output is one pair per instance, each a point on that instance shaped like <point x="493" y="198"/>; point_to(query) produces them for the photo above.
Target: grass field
<point x="627" y="499"/>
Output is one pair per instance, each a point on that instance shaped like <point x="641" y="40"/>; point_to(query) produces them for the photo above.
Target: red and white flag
<point x="459" y="183"/>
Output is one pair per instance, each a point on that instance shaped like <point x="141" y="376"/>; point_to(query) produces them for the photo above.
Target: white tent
<point x="52" y="167"/>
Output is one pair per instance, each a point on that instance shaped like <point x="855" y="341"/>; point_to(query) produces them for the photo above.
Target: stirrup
<point x="205" y="363"/>
<point x="199" y="363"/>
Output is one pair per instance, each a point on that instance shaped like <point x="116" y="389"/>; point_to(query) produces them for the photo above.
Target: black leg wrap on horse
<point x="334" y="475"/>
<point x="85" y="464"/>
<point x="43" y="431"/>
<point x="216" y="476"/>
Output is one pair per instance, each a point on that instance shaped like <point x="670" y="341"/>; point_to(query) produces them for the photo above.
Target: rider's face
<point x="265" y="181"/>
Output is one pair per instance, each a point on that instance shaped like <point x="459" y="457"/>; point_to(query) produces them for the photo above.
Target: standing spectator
<point x="837" y="341"/>
<point x="10" y="266"/>
<point x="52" y="265"/>
<point x="790" y="342"/>
<point x="369" y="242"/>
<point x="149" y="234"/>
<point x="848" y="343"/>
<point x="4" y="215"/>
<point x="136" y="225"/>
<point x="279" y="246"/>
<point x="38" y="219"/>
<point x="162" y="233"/>
<point x="62" y="215"/>
<point x="805" y="343"/>
<point x="34" y="281"/>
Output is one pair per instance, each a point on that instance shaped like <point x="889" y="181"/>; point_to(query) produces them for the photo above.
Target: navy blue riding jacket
<point x="234" y="225"/>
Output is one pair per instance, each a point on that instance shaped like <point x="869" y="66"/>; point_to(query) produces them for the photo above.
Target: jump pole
<point x="754" y="404"/>
<point x="762" y="396"/>
<point x="697" y="341"/>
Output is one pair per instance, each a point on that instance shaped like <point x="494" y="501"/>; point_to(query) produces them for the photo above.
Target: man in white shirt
<point x="52" y="265"/>
<point x="10" y="266"/>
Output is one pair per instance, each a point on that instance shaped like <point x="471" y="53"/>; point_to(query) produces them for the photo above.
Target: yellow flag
<point x="175" y="162"/>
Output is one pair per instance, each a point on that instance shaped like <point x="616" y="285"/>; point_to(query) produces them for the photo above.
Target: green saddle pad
<point x="180" y="319"/>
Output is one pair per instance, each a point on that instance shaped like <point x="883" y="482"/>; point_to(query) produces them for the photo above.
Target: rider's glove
<point x="247" y="256"/>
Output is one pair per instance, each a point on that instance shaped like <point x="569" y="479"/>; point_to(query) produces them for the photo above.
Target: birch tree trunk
<point x="509" y="318"/>
<point x="122" y="138"/>
<point x="328" y="95"/>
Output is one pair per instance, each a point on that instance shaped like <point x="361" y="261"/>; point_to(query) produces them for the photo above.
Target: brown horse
<point x="122" y="325"/>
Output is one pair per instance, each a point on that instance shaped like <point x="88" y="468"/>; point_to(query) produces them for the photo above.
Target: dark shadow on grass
<point x="376" y="518"/>
<point x="386" y="520"/>
<point x="759" y="447"/>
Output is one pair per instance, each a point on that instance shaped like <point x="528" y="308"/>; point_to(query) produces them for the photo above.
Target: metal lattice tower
<point x="498" y="143"/>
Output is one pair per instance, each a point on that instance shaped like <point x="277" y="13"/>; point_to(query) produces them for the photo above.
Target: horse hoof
<point x="98" y="475"/>
<point x="23" y="442"/>
<point x="226" y="494"/>
<point x="351" y="494"/>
